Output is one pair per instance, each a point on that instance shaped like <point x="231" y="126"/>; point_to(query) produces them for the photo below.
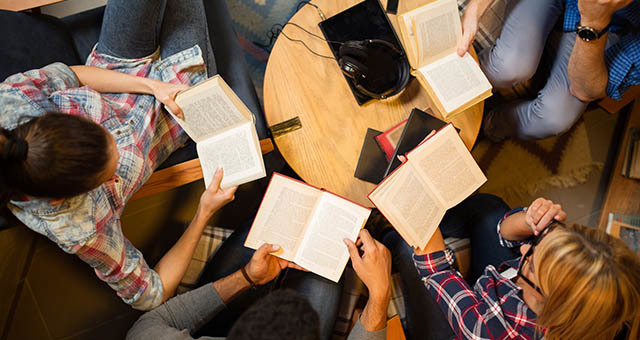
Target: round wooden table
<point x="324" y="152"/>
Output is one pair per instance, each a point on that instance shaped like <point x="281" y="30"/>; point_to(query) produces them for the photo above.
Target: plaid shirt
<point x="88" y="225"/>
<point x="492" y="309"/>
<point x="623" y="57"/>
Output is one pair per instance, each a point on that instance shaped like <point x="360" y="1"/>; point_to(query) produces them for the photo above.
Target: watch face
<point x="587" y="34"/>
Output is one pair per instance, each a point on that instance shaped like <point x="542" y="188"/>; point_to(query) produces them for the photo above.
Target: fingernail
<point x="346" y="241"/>
<point x="275" y="247"/>
<point x="218" y="170"/>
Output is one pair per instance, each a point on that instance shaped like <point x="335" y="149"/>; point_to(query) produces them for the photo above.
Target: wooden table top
<point x="325" y="151"/>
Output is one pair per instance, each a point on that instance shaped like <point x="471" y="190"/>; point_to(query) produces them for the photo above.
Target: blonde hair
<point x="591" y="284"/>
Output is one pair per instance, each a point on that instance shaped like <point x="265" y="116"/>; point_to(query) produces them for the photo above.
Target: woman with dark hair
<point x="76" y="142"/>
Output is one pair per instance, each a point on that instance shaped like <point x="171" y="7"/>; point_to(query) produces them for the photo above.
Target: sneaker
<point x="489" y="127"/>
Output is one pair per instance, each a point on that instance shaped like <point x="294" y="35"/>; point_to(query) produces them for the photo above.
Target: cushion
<point x="35" y="40"/>
<point x="85" y="30"/>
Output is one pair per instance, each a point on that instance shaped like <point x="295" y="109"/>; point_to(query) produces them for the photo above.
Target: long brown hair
<point x="53" y="156"/>
<point x="591" y="284"/>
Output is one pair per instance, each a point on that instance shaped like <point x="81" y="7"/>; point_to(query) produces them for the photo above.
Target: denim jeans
<point x="323" y="294"/>
<point x="135" y="29"/>
<point x="515" y="58"/>
<point x="475" y="218"/>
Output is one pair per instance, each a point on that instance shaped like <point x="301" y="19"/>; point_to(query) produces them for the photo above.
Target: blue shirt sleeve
<point x="623" y="60"/>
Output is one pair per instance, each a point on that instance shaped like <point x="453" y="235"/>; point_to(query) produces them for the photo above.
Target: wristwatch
<point x="587" y="33"/>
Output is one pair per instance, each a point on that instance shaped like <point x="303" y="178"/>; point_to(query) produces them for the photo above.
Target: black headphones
<point x="378" y="69"/>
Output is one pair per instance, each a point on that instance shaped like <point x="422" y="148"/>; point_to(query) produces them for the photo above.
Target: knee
<point x="493" y="208"/>
<point x="510" y="68"/>
<point x="399" y="249"/>
<point x="554" y="117"/>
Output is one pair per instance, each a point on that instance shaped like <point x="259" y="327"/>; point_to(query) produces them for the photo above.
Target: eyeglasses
<point x="536" y="239"/>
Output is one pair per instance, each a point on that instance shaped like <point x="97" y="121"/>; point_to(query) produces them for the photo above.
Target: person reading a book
<point x="76" y="142"/>
<point x="305" y="309"/>
<point x="569" y="282"/>
<point x="595" y="55"/>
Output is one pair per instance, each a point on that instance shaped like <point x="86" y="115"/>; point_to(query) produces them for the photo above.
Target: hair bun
<point x="15" y="149"/>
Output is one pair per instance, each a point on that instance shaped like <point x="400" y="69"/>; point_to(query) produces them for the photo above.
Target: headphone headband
<point x="353" y="55"/>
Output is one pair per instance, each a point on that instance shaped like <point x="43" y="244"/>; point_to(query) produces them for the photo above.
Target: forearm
<point x="109" y="81"/>
<point x="374" y="315"/>
<point x="436" y="243"/>
<point x="477" y="8"/>
<point x="515" y="228"/>
<point x="588" y="74"/>
<point x="173" y="265"/>
<point x="230" y="286"/>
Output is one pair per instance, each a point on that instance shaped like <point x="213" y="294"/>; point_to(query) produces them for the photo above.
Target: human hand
<point x="166" y="93"/>
<point x="470" y="20"/>
<point x="541" y="212"/>
<point x="215" y="198"/>
<point x="373" y="267"/>
<point x="265" y="267"/>
<point x="597" y="13"/>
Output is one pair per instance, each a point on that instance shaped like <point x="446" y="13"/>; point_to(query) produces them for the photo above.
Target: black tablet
<point x="366" y="20"/>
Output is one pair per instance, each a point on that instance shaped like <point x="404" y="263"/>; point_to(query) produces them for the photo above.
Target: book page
<point x="437" y="30"/>
<point x="408" y="37"/>
<point x="208" y="109"/>
<point x="236" y="151"/>
<point x="447" y="167"/>
<point x="283" y="216"/>
<point x="455" y="80"/>
<point x="410" y="206"/>
<point x="322" y="250"/>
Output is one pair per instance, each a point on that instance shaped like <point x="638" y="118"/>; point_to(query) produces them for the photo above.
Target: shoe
<point x="488" y="127"/>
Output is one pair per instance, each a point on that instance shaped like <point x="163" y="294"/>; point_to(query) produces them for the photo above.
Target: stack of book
<point x="631" y="163"/>
<point x="627" y="228"/>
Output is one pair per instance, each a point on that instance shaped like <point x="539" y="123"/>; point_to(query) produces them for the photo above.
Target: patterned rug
<point x="518" y="170"/>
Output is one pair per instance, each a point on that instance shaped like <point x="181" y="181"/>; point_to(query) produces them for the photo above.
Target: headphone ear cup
<point x="352" y="68"/>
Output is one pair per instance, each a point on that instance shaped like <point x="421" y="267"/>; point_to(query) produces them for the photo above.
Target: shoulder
<point x="27" y="94"/>
<point x="70" y="223"/>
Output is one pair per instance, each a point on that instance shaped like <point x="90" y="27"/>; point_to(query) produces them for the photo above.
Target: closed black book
<point x="418" y="127"/>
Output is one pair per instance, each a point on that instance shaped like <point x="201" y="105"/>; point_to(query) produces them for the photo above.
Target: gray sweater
<point x="183" y="315"/>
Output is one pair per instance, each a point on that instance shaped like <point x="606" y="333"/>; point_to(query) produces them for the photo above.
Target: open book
<point x="430" y="34"/>
<point x="309" y="224"/>
<point x="222" y="127"/>
<point x="438" y="174"/>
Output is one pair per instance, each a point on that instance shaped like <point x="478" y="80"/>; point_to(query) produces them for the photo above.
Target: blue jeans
<point x="135" y="29"/>
<point x="476" y="218"/>
<point x="323" y="294"/>
<point x="515" y="58"/>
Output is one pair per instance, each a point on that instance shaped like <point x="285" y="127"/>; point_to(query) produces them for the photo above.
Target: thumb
<point x="464" y="43"/>
<point x="265" y="250"/>
<point x="175" y="109"/>
<point x="353" y="251"/>
<point x="215" y="181"/>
